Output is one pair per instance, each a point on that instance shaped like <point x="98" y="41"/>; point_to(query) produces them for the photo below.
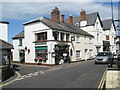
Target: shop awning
<point x="41" y="48"/>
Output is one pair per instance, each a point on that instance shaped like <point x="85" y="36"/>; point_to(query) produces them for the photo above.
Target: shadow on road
<point x="15" y="67"/>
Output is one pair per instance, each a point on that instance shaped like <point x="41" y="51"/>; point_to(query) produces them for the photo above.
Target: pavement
<point x="74" y="75"/>
<point x="113" y="78"/>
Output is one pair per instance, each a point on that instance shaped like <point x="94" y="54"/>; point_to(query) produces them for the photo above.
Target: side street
<point x="62" y="51"/>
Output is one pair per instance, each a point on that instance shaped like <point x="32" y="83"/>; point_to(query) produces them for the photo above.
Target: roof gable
<point x="20" y="35"/>
<point x="91" y="18"/>
<point x="107" y="24"/>
<point x="5" y="45"/>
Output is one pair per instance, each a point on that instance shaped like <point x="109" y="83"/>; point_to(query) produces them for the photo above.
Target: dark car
<point x="104" y="57"/>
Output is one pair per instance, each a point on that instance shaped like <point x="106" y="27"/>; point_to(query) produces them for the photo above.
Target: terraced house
<point x="51" y="41"/>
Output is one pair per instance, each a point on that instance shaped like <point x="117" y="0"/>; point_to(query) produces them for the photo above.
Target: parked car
<point x="104" y="57"/>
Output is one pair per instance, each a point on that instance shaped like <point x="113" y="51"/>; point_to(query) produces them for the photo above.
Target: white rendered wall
<point x="94" y="30"/>
<point x="17" y="48"/>
<point x="4" y="31"/>
<point x="30" y="30"/>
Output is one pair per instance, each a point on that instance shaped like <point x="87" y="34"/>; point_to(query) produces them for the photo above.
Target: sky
<point x="17" y="12"/>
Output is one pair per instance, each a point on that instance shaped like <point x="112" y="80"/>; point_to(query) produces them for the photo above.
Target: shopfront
<point x="41" y="55"/>
<point x="61" y="53"/>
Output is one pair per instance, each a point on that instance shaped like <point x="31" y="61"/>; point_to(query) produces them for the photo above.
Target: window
<point x="97" y="37"/>
<point x="78" y="54"/>
<point x="77" y="39"/>
<point x="67" y="37"/>
<point x="90" y="40"/>
<point x="41" y="36"/>
<point x="97" y="26"/>
<point x="56" y="35"/>
<point x="20" y="42"/>
<point x="62" y="36"/>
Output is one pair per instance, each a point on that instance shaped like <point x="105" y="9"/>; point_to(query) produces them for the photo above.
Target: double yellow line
<point x="100" y="86"/>
<point x="18" y="75"/>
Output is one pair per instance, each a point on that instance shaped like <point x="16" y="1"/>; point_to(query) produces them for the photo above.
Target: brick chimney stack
<point x="82" y="15"/>
<point x="55" y="15"/>
<point x="71" y="19"/>
<point x="63" y="18"/>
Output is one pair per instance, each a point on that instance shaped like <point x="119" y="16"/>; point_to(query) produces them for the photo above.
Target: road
<point x="76" y="75"/>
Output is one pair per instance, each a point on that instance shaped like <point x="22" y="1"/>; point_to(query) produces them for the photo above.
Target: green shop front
<point x="41" y="55"/>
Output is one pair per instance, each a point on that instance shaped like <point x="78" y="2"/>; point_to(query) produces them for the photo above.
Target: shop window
<point x="78" y="54"/>
<point x="20" y="42"/>
<point x="41" y="53"/>
<point x="107" y="37"/>
<point x="41" y="36"/>
<point x="67" y="37"/>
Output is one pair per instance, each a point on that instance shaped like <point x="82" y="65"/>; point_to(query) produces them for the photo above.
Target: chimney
<point x="70" y="19"/>
<point x="55" y="15"/>
<point x="63" y="18"/>
<point x="82" y="15"/>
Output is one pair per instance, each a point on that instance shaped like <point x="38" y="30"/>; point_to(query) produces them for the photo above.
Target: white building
<point x="4" y="30"/>
<point x="49" y="41"/>
<point x="110" y="35"/>
<point x="92" y="24"/>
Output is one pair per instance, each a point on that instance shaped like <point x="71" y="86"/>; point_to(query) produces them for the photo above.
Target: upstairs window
<point x="56" y="35"/>
<point x="77" y="39"/>
<point x="41" y="36"/>
<point x="67" y="37"/>
<point x="62" y="36"/>
<point x="90" y="40"/>
<point x="20" y="42"/>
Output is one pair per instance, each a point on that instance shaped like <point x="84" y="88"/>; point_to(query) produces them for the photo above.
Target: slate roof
<point x="107" y="24"/>
<point x="62" y="26"/>
<point x="20" y="35"/>
<point x="5" y="45"/>
<point x="91" y="18"/>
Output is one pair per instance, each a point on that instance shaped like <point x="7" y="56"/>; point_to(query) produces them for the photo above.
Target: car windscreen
<point x="103" y="54"/>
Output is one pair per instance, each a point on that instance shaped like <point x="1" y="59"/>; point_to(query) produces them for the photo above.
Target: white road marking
<point x="42" y="72"/>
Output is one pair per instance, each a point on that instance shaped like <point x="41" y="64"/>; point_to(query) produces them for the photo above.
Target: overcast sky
<point x="16" y="13"/>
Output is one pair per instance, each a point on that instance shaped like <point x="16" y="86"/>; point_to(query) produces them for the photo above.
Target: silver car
<point x="104" y="57"/>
